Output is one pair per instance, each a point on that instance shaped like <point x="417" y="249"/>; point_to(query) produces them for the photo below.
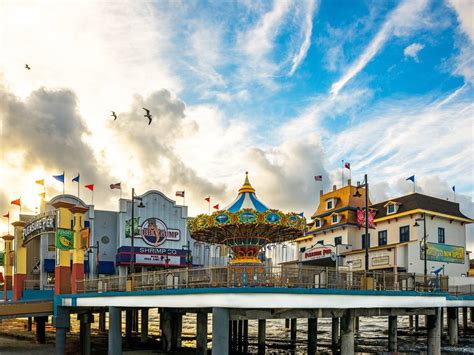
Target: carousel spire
<point x="246" y="187"/>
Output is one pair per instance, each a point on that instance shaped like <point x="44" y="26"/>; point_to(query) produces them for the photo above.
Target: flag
<point x="59" y="177"/>
<point x="180" y="193"/>
<point x="90" y="187"/>
<point x="40" y="182"/>
<point x="216" y="207"/>
<point x="16" y="202"/>
<point x="42" y="194"/>
<point x="208" y="199"/>
<point x="411" y="178"/>
<point x="76" y="179"/>
<point x="347" y="166"/>
<point x="318" y="177"/>
<point x="301" y="214"/>
<point x="454" y="188"/>
<point x="7" y="215"/>
<point x="116" y="186"/>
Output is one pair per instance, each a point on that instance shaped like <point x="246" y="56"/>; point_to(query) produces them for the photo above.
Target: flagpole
<point x="342" y="173"/>
<point x="92" y="197"/>
<point x="184" y="197"/>
<point x="78" y="186"/>
<point x="209" y="204"/>
<point x="64" y="182"/>
<point x="8" y="226"/>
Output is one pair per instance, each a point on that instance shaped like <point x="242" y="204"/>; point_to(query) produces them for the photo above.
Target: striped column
<point x="8" y="266"/>
<point x="19" y="276"/>
<point x="77" y="280"/>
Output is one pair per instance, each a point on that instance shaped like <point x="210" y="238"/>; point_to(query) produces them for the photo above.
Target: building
<point x="396" y="242"/>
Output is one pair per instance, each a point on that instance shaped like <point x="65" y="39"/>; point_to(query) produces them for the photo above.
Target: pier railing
<point x="461" y="290"/>
<point x="283" y="277"/>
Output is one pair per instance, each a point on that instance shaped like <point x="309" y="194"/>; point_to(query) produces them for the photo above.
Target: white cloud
<point x="465" y="13"/>
<point x="412" y="50"/>
<point x="403" y="20"/>
<point x="308" y="29"/>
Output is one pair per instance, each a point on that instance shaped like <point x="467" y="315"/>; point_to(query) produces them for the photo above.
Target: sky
<point x="285" y="90"/>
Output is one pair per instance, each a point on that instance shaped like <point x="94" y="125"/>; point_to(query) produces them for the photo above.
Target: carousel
<point x="246" y="226"/>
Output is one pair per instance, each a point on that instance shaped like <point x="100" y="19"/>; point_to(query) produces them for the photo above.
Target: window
<point x="363" y="241"/>
<point x="337" y="240"/>
<point x="329" y="205"/>
<point x="382" y="238"/>
<point x="404" y="234"/>
<point x="302" y="249"/>
<point x="318" y="223"/>
<point x="390" y="209"/>
<point x="335" y="218"/>
<point x="320" y="242"/>
<point x="441" y="235"/>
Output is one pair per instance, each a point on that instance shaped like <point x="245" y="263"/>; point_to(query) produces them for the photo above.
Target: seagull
<point x="148" y="115"/>
<point x="27" y="67"/>
<point x="114" y="115"/>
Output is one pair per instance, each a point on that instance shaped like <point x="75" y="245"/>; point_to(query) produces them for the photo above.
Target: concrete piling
<point x="312" y="335"/>
<point x="62" y="323"/>
<point x="453" y="330"/>
<point x="434" y="332"/>
<point x="144" y="325"/>
<point x="293" y="329"/>
<point x="115" y="331"/>
<point x="85" y="331"/>
<point x="246" y="336"/>
<point x="347" y="332"/>
<point x="220" y="331"/>
<point x="464" y="319"/>
<point x="41" y="329"/>
<point x="128" y="325"/>
<point x="392" y="333"/>
<point x="262" y="325"/>
<point x="201" y="329"/>
<point x="335" y="332"/>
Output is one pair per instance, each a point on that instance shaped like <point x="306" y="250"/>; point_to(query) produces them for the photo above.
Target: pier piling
<point x="392" y="333"/>
<point x="62" y="323"/>
<point x="128" y="325"/>
<point x="41" y="329"/>
<point x="347" y="332"/>
<point x="220" y="331"/>
<point x="453" y="325"/>
<point x="434" y="332"/>
<point x="246" y="336"/>
<point x="312" y="335"/>
<point x="144" y="326"/>
<point x="293" y="329"/>
<point x="335" y="332"/>
<point x="115" y="331"/>
<point x="85" y="320"/>
<point x="102" y="321"/>
<point x="464" y="319"/>
<point x="262" y="325"/>
<point x="201" y="329"/>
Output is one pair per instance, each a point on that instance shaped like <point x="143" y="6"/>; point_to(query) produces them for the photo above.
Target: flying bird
<point x="114" y="115"/>
<point x="27" y="67"/>
<point x="148" y="115"/>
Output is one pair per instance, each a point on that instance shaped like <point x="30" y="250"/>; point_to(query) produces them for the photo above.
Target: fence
<point x="263" y="276"/>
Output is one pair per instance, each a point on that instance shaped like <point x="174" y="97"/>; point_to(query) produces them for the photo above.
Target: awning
<point x="48" y="265"/>
<point x="106" y="267"/>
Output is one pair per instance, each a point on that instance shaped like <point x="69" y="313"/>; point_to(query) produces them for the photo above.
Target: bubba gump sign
<point x="317" y="253"/>
<point x="44" y="223"/>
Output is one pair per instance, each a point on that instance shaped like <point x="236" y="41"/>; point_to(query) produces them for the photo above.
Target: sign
<point x="2" y="259"/>
<point x="380" y="260"/>
<point x="84" y="235"/>
<point x="152" y="256"/>
<point x="64" y="239"/>
<point x="42" y="224"/>
<point x="317" y="253"/>
<point x="444" y="253"/>
<point x="361" y="217"/>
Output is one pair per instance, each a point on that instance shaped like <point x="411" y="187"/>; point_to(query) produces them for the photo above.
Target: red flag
<point x="208" y="199"/>
<point x="347" y="166"/>
<point x="116" y="186"/>
<point x="16" y="202"/>
<point x="180" y="193"/>
<point x="216" y="206"/>
<point x="7" y="215"/>
<point x="90" y="187"/>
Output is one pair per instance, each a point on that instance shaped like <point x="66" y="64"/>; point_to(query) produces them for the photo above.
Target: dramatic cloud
<point x="465" y="11"/>
<point x="412" y="50"/>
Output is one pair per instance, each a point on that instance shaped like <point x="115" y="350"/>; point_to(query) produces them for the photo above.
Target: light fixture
<point x="416" y="224"/>
<point x="357" y="194"/>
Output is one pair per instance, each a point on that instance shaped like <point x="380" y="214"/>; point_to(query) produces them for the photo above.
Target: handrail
<point x="267" y="276"/>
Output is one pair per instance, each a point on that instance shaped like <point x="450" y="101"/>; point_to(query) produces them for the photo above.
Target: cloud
<point x="400" y="22"/>
<point x="464" y="10"/>
<point x="412" y="50"/>
<point x="308" y="29"/>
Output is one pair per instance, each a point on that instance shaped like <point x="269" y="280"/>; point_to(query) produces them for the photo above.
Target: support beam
<point x="356" y="324"/>
<point x="128" y="325"/>
<point x="262" y="327"/>
<point x="246" y="337"/>
<point x="287" y="323"/>
<point x="434" y="333"/>
<point x="240" y="335"/>
<point x="235" y="331"/>
<point x="293" y="330"/>
<point x="177" y="328"/>
<point x="220" y="331"/>
<point x="166" y="329"/>
<point x="201" y="337"/>
<point x="41" y="329"/>
<point x="347" y="332"/>
<point x="410" y="323"/>
<point x="464" y="319"/>
<point x="453" y="330"/>
<point x="85" y="331"/>
<point x="62" y="323"/>
<point x="102" y="315"/>
<point x="115" y="331"/>
<point x="392" y="333"/>
<point x="417" y="323"/>
<point x="30" y="324"/>
<point x="335" y="332"/>
<point x="144" y="326"/>
<point x="312" y="335"/>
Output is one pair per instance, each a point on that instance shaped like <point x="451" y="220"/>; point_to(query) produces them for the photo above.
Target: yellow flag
<point x="40" y="182"/>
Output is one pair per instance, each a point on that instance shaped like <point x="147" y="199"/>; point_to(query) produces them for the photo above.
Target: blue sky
<point x="283" y="89"/>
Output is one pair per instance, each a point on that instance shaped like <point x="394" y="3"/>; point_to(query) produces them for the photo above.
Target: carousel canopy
<point x="246" y="199"/>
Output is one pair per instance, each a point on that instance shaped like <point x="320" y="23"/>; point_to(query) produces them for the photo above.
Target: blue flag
<point x="59" y="177"/>
<point x="411" y="178"/>
<point x="76" y="179"/>
<point x="301" y="214"/>
<point x="454" y="188"/>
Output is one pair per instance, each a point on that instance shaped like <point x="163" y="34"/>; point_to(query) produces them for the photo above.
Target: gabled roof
<point x="417" y="201"/>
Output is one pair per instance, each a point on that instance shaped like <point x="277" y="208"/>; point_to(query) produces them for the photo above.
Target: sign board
<point x="361" y="217"/>
<point x="84" y="237"/>
<point x="44" y="223"/>
<point x="444" y="253"/>
<point x="153" y="256"/>
<point x="380" y="260"/>
<point x="64" y="239"/>
<point x="153" y="231"/>
<point x="317" y="253"/>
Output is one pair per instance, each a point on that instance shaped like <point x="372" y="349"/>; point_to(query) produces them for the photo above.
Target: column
<point x="434" y="333"/>
<point x="240" y="335"/>
<point x="128" y="325"/>
<point x="410" y="323"/>
<point x="115" y="331"/>
<point x="235" y="334"/>
<point x="30" y="324"/>
<point x="85" y="331"/>
<point x="453" y="325"/>
<point x="77" y="280"/>
<point x="62" y="323"/>
<point x="417" y="323"/>
<point x="102" y="315"/>
<point x="335" y="332"/>
<point x="220" y="331"/>
<point x="166" y="329"/>
<point x="347" y="332"/>
<point x="246" y="336"/>
<point x="464" y="319"/>
<point x="62" y="271"/>
<point x="356" y="324"/>
<point x="20" y="261"/>
<point x="262" y="325"/>
<point x="144" y="326"/>
<point x="177" y="327"/>
<point x="293" y="329"/>
<point x="8" y="266"/>
<point x="201" y="336"/>
<point x="392" y="333"/>
<point x="41" y="329"/>
<point x="312" y="335"/>
<point x="287" y="323"/>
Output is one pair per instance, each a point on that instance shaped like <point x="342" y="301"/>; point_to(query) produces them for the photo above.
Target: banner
<point x="44" y="223"/>
<point x="444" y="253"/>
<point x="64" y="239"/>
<point x="84" y="237"/>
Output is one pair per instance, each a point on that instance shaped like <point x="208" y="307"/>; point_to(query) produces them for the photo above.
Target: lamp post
<point x="425" y="245"/>
<point x="357" y="194"/>
<point x="132" y="234"/>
